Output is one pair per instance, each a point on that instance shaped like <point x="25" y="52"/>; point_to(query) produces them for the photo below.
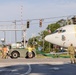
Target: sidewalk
<point x="36" y="60"/>
<point x="53" y="60"/>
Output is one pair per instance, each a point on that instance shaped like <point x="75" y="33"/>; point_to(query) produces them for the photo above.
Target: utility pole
<point x="24" y="39"/>
<point x="23" y="30"/>
<point x="15" y="31"/>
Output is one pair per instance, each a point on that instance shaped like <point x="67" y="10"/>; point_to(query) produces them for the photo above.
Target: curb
<point x="23" y="63"/>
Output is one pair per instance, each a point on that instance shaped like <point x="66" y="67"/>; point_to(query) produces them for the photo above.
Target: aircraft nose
<point x="47" y="38"/>
<point x="50" y="38"/>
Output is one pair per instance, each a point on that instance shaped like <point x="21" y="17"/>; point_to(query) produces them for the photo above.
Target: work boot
<point x="71" y="62"/>
<point x="74" y="62"/>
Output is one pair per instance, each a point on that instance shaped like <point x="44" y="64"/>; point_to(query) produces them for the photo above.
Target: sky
<point x="33" y="10"/>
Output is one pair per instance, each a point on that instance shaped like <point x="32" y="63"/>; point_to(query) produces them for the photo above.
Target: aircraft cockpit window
<point x="61" y="31"/>
<point x="56" y="31"/>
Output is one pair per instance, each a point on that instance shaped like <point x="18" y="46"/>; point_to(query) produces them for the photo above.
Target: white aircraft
<point x="63" y="36"/>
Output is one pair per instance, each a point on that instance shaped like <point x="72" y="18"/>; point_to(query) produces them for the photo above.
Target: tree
<point x="62" y="22"/>
<point x="53" y="27"/>
<point x="42" y="34"/>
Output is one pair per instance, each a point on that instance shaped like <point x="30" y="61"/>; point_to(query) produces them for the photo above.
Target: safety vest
<point x="5" y="49"/>
<point x="30" y="49"/>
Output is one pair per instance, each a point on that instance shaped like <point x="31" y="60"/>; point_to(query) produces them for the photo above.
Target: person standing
<point x="30" y="49"/>
<point x="71" y="51"/>
<point x="4" y="52"/>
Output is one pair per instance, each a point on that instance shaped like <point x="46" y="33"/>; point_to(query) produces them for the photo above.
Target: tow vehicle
<point x="16" y="52"/>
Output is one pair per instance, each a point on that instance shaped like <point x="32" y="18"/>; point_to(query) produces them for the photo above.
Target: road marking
<point x="28" y="71"/>
<point x="55" y="68"/>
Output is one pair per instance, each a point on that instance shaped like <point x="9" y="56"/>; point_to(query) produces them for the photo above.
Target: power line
<point x="37" y="19"/>
<point x="50" y="18"/>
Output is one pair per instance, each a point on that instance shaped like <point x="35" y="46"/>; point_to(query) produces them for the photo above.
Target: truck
<point x="19" y="51"/>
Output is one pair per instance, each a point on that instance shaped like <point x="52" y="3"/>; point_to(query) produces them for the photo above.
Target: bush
<point x="56" y="50"/>
<point x="47" y="50"/>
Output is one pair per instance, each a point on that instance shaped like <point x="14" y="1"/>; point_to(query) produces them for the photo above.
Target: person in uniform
<point x="4" y="52"/>
<point x="30" y="49"/>
<point x="71" y="51"/>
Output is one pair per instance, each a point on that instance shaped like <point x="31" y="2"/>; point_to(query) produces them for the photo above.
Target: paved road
<point x="45" y="69"/>
<point x="37" y="66"/>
